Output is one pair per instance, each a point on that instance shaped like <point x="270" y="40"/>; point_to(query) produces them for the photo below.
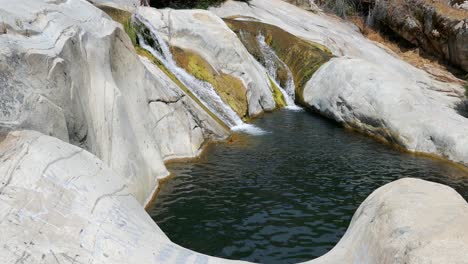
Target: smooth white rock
<point x="207" y="35"/>
<point x="68" y="71"/>
<point x="407" y="221"/>
<point x="128" y="5"/>
<point x="61" y="204"/>
<point x="360" y="94"/>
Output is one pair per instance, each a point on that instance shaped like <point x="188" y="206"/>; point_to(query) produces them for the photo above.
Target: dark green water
<point x="286" y="196"/>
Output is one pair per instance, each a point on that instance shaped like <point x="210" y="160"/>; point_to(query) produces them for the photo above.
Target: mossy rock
<point x="277" y="95"/>
<point x="142" y="52"/>
<point x="302" y="57"/>
<point x="123" y="17"/>
<point x="230" y="88"/>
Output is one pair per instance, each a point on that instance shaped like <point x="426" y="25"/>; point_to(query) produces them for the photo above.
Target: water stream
<point x="286" y="196"/>
<point x="271" y="60"/>
<point x="204" y="91"/>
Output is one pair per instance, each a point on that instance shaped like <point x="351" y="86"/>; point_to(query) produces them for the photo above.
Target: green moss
<point x="230" y="88"/>
<point x="123" y="17"/>
<point x="277" y="94"/>
<point x="142" y="52"/>
<point x="302" y="57"/>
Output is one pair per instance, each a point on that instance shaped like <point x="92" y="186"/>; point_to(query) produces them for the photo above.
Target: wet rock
<point x="210" y="51"/>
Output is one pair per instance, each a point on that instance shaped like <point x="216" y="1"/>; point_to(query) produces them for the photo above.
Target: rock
<point x="61" y="204"/>
<point x="128" y="5"/>
<point x="287" y="49"/>
<point x="461" y="5"/>
<point x="308" y="5"/>
<point x="203" y="45"/>
<point x="407" y="221"/>
<point x="361" y="95"/>
<point x="435" y="26"/>
<point x="69" y="71"/>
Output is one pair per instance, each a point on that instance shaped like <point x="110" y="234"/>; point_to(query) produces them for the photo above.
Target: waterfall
<point x="204" y="91"/>
<point x="271" y="60"/>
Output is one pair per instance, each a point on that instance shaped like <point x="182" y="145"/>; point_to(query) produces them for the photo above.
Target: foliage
<point x="184" y="4"/>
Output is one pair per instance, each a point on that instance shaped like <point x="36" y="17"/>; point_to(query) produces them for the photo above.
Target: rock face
<point x="408" y="123"/>
<point x="407" y="221"/>
<point x="201" y="41"/>
<point x="433" y="25"/>
<point x="359" y="94"/>
<point x="129" y="5"/>
<point x="61" y="204"/>
<point x="76" y="76"/>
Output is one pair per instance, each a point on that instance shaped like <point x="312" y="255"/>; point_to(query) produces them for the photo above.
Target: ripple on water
<point x="284" y="196"/>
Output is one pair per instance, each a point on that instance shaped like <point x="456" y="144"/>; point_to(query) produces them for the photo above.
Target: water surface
<point x="286" y="196"/>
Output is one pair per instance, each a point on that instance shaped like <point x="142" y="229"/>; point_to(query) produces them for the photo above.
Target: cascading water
<point x="271" y="60"/>
<point x="204" y="91"/>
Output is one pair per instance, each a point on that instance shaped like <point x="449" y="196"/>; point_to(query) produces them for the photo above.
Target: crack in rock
<point x="174" y="101"/>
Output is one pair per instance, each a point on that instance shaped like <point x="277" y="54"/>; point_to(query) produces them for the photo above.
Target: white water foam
<point x="204" y="91"/>
<point x="270" y="64"/>
<point x="249" y="129"/>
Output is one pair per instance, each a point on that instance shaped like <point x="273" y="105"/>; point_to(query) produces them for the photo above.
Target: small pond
<point x="285" y="196"/>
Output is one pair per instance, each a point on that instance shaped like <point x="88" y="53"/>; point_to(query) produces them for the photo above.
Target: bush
<point x="184" y="4"/>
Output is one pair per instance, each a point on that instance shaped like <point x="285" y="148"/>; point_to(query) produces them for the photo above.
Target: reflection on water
<point x="286" y="196"/>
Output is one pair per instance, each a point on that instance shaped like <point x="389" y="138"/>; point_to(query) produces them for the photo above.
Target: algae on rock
<point x="230" y="89"/>
<point x="123" y="17"/>
<point x="277" y="95"/>
<point x="301" y="56"/>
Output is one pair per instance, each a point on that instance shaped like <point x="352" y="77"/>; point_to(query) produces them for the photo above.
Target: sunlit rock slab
<point x="69" y="71"/>
<point x="407" y="221"/>
<point x="361" y="95"/>
<point x="61" y="204"/>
